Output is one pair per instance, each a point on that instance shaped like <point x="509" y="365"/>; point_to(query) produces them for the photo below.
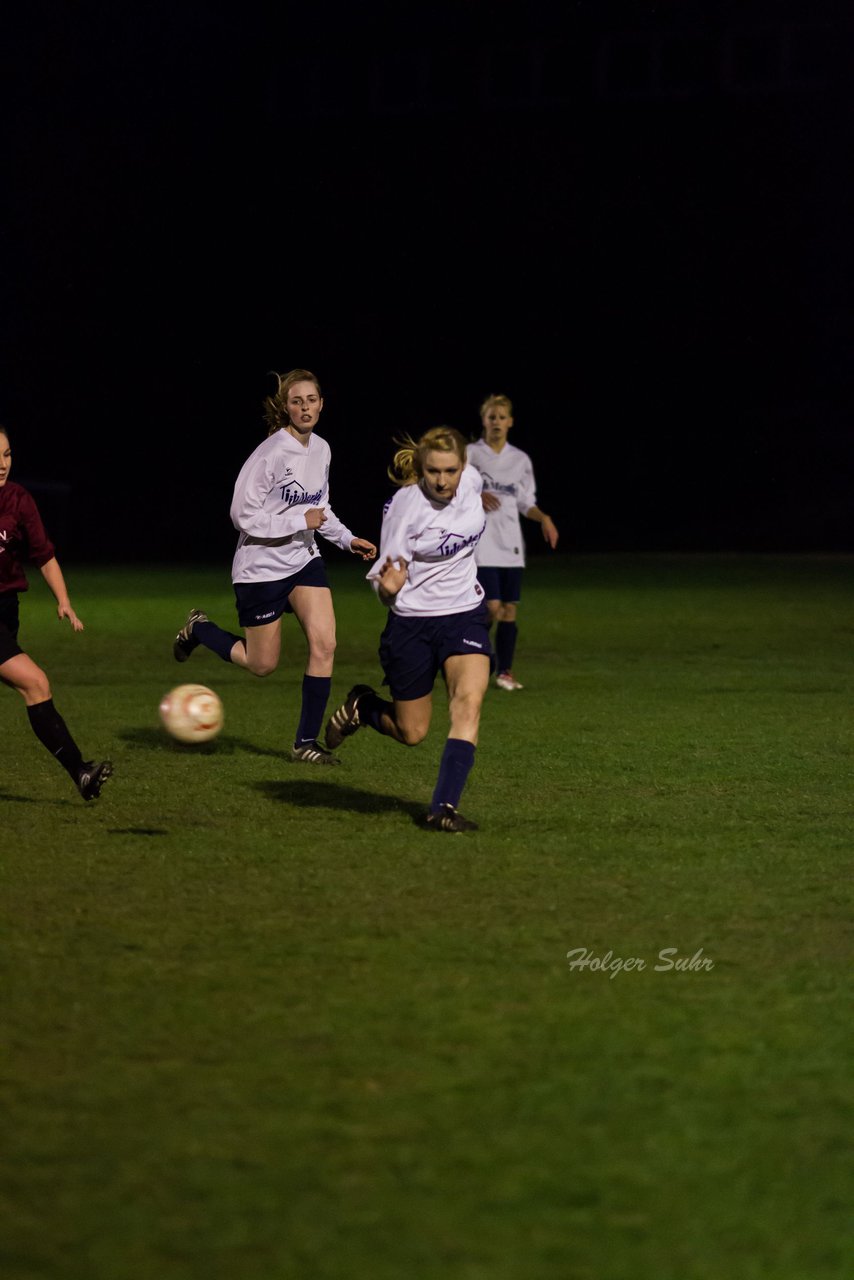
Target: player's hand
<point x="315" y="517"/>
<point x="491" y="501"/>
<point x="66" y="611"/>
<point x="393" y="575"/>
<point x="361" y="547"/>
<point x="550" y="532"/>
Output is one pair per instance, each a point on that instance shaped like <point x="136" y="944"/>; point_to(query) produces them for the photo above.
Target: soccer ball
<point x="191" y="713"/>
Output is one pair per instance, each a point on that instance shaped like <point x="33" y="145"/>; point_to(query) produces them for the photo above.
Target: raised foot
<point x="184" y="644"/>
<point x="345" y="721"/>
<point x="507" y="680"/>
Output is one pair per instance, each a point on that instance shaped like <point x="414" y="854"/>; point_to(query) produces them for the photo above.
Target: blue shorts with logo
<point x="500" y="584"/>
<point x="261" y="602"/>
<point x="412" y="650"/>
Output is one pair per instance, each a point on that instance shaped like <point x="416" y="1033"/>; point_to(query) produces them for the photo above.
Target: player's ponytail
<point x="403" y="465"/>
<point x="407" y="466"/>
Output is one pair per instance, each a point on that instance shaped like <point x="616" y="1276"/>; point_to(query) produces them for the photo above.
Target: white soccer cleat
<point x="507" y="680"/>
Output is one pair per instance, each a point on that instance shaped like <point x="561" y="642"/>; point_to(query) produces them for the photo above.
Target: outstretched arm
<point x="546" y="523"/>
<point x="52" y="575"/>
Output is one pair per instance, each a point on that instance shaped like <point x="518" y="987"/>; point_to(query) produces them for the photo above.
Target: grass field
<point x="259" y="1026"/>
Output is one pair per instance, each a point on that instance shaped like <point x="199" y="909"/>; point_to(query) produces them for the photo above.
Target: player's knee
<point x="411" y="735"/>
<point x="465" y="709"/>
<point x="261" y="666"/>
<point x="508" y="613"/>
<point x="323" y="649"/>
<point x="36" y="689"/>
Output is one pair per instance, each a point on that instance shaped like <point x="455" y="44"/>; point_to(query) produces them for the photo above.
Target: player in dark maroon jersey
<point x="22" y="538"/>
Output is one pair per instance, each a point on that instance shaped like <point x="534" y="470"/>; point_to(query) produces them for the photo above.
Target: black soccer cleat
<point x="313" y="753"/>
<point x="184" y="644"/>
<point x="345" y="721"/>
<point x="446" y="818"/>
<point x="92" y="777"/>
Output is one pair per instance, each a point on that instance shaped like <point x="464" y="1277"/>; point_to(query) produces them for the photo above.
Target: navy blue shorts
<point x="412" y="650"/>
<point x="500" y="584"/>
<point x="261" y="602"/>
<point x="9" y="623"/>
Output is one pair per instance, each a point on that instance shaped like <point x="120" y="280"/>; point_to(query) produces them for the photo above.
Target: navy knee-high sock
<point x="315" y="695"/>
<point x="52" y="732"/>
<point x="505" y="645"/>
<point x="216" y="639"/>
<point x="371" y="710"/>
<point x="457" y="761"/>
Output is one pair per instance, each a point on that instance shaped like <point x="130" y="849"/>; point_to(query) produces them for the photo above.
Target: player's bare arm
<point x="52" y="575"/>
<point x="548" y="526"/>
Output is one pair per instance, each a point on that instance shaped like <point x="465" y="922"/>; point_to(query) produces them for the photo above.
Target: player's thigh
<point x="313" y="609"/>
<point x="467" y="676"/>
<point x="412" y="718"/>
<point x="24" y="675"/>
<point x="263" y="646"/>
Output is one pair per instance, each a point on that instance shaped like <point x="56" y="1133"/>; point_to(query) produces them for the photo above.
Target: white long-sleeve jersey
<point x="510" y="476"/>
<point x="437" y="540"/>
<point x="277" y="484"/>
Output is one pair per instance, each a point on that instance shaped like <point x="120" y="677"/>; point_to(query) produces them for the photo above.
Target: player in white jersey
<point x="427" y="577"/>
<point x="509" y="490"/>
<point x="281" y="500"/>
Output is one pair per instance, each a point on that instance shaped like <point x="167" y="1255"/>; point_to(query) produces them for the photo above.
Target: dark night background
<point x="633" y="218"/>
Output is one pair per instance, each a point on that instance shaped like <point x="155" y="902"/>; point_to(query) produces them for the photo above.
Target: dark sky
<point x="634" y="219"/>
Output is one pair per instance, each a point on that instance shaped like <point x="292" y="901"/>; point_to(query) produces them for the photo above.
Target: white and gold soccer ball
<point x="191" y="713"/>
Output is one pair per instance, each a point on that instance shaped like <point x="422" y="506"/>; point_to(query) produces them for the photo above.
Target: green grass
<point x="259" y="1026"/>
